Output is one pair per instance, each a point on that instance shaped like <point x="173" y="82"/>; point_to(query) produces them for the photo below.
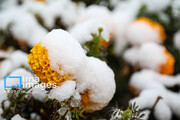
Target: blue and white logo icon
<point x="9" y="80"/>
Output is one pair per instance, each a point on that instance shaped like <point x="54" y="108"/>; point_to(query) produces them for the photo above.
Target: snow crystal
<point x="63" y="92"/>
<point x="83" y="32"/>
<point x="177" y="40"/>
<point x="17" y="117"/>
<point x="63" y="50"/>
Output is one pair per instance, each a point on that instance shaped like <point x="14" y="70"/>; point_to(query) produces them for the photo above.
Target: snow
<point x="3" y="54"/>
<point x="39" y="92"/>
<point x="156" y="5"/>
<point x="23" y="25"/>
<point x="98" y="79"/>
<point x="152" y="56"/>
<point x="50" y="11"/>
<point x="1" y="111"/>
<point x="148" y="55"/>
<point x="17" y="117"/>
<point x="19" y="58"/>
<point x="76" y="99"/>
<point x="14" y="60"/>
<point x="140" y="32"/>
<point x="150" y="79"/>
<point x="151" y="85"/>
<point x="88" y="72"/>
<point x="35" y="116"/>
<point x="5" y="68"/>
<point x="26" y="77"/>
<point x="64" y="51"/>
<point x="131" y="55"/>
<point x="176" y="40"/>
<point x="176" y="8"/>
<point x="83" y="31"/>
<point x="147" y="99"/>
<point x="146" y="113"/>
<point x="101" y="13"/>
<point x="63" y="92"/>
<point x="3" y="94"/>
<point x="116" y="116"/>
<point x="122" y="16"/>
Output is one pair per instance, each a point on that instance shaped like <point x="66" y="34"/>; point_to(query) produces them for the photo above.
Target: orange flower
<point x="40" y="64"/>
<point x="88" y="105"/>
<point x="168" y="67"/>
<point x="41" y="0"/>
<point x="106" y="44"/>
<point x="155" y="25"/>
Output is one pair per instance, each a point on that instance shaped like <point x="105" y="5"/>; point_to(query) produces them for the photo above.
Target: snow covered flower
<point x="96" y="85"/>
<point x="60" y="58"/>
<point x="145" y="30"/>
<point x="150" y="85"/>
<point x="54" y="60"/>
<point x="151" y="56"/>
<point x="39" y="62"/>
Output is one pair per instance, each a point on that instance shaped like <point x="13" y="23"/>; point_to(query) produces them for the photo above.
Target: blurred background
<point x="143" y="35"/>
